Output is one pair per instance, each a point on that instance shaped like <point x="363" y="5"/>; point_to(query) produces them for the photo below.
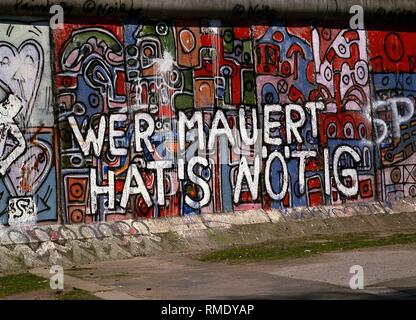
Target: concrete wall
<point x="286" y="115"/>
<point x="383" y="10"/>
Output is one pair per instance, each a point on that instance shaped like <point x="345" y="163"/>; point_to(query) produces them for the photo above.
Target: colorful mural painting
<point x="28" y="173"/>
<point x="393" y="63"/>
<point x="131" y="119"/>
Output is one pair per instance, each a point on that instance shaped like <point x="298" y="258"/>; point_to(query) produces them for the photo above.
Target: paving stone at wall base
<point x="405" y="205"/>
<point x="235" y="218"/>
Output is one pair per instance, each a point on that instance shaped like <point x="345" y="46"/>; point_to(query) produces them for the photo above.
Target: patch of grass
<point x="21" y="283"/>
<point x="304" y="247"/>
<point x="78" y="294"/>
<point x="119" y="275"/>
<point x="27" y="282"/>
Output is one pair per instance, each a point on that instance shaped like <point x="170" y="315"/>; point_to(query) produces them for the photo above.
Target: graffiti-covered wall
<point x="122" y="119"/>
<point x="28" y="166"/>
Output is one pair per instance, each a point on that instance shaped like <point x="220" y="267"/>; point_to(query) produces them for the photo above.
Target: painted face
<point x="10" y="107"/>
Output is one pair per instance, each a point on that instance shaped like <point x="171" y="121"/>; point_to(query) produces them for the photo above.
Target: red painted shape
<point x="391" y="51"/>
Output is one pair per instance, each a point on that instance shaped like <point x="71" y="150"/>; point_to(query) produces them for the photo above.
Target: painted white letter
<point x="183" y="121"/>
<point x="159" y="166"/>
<point x="243" y="130"/>
<point x="133" y="174"/>
<point x="313" y="106"/>
<point x="91" y="139"/>
<point x="326" y="172"/>
<point x="97" y="190"/>
<point x="268" y="125"/>
<point x="284" y="178"/>
<point x="348" y="191"/>
<point x="302" y="155"/>
<point x="293" y="126"/>
<point x="215" y="131"/>
<point x="253" y="182"/>
<point x="114" y="133"/>
<point x="143" y="135"/>
<point x="199" y="181"/>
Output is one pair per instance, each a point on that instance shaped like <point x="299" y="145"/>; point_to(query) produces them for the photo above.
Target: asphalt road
<point x="389" y="273"/>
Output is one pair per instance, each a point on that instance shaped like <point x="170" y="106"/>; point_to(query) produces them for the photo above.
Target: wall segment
<point x="124" y="119"/>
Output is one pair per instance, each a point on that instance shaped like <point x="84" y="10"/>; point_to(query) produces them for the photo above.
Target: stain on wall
<point x="138" y="118"/>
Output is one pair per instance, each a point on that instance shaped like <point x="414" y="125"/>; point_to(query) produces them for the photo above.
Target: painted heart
<point x="28" y="172"/>
<point x="21" y="69"/>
